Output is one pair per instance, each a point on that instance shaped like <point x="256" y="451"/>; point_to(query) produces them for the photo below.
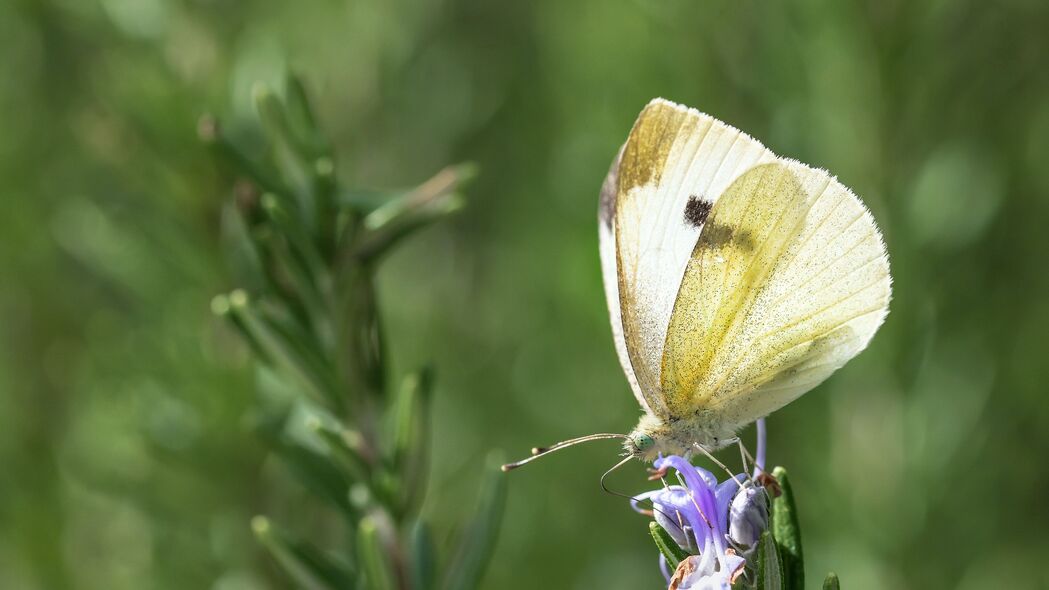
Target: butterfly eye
<point x="643" y="442"/>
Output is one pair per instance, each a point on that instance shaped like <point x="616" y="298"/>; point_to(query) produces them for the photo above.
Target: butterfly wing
<point x="788" y="280"/>
<point x="609" y="264"/>
<point x="654" y="203"/>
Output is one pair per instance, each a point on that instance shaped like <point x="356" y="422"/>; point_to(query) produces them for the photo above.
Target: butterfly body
<point x="736" y="280"/>
<point x="678" y="436"/>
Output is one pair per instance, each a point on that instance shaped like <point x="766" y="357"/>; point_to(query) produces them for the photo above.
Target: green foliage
<point x="312" y="321"/>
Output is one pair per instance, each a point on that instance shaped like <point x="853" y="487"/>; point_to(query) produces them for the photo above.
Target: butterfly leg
<point x="761" y="477"/>
<point x="715" y="460"/>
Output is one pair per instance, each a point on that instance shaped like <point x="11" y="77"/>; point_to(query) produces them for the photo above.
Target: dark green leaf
<point x="831" y="582"/>
<point x="479" y="536"/>
<point x="423" y="560"/>
<point x="301" y="119"/>
<point x="374" y="556"/>
<point x="769" y="569"/>
<point x="296" y="235"/>
<point x="345" y="446"/>
<point x="366" y="201"/>
<point x="277" y="346"/>
<point x="306" y="565"/>
<point x="315" y="149"/>
<point x="359" y="333"/>
<point x="295" y="163"/>
<point x="787" y="531"/>
<point x="221" y="307"/>
<point x="411" y="434"/>
<point x="666" y="545"/>
<point x="210" y="132"/>
<point x="434" y="199"/>
<point x="242" y="251"/>
<point x="316" y="471"/>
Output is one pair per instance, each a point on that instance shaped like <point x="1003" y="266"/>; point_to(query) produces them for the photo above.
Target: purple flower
<point x="696" y="516"/>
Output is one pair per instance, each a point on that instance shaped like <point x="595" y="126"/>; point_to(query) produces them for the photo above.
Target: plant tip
<point x="260" y="525"/>
<point x="238" y="298"/>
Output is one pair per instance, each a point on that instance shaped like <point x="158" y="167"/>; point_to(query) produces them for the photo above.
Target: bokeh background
<point x="126" y="459"/>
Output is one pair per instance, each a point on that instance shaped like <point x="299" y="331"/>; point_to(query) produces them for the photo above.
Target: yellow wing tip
<point x="660" y="103"/>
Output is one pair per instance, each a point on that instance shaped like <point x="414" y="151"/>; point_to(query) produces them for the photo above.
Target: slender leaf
<point x="210" y="132"/>
<point x="301" y="119"/>
<point x="373" y="556"/>
<point x="241" y="250"/>
<point x="306" y="565"/>
<point x="423" y="559"/>
<point x="666" y="545"/>
<point x="360" y="338"/>
<point x="410" y="436"/>
<point x="432" y="200"/>
<point x="786" y="530"/>
<point x="274" y="345"/>
<point x="831" y="582"/>
<point x="295" y="163"/>
<point x="769" y="569"/>
<point x="317" y="473"/>
<point x="346" y="447"/>
<point x="479" y="536"/>
<point x="366" y="201"/>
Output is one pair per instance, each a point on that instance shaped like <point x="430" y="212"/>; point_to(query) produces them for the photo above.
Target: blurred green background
<point x="127" y="459"/>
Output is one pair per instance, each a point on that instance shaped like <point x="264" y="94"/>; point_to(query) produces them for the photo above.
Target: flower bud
<point x="748" y="516"/>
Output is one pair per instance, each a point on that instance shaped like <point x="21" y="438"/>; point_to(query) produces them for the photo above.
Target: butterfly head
<point x="650" y="439"/>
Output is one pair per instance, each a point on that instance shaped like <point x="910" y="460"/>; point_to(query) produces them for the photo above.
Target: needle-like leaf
<point x="478" y="538"/>
<point x="786" y="531"/>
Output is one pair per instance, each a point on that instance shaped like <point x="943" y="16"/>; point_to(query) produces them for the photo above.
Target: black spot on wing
<point x="696" y="211"/>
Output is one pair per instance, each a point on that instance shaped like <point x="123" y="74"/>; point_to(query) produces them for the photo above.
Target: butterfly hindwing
<point x="787" y="281"/>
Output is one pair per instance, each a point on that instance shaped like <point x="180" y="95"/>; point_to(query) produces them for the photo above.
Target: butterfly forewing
<point x="656" y="199"/>
<point x="606" y="237"/>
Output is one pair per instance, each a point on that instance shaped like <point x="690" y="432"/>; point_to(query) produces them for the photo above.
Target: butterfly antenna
<point x="538" y="452"/>
<point x="614" y="467"/>
<point x="607" y="490"/>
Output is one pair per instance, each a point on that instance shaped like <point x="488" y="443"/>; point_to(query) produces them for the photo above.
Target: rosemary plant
<point x="305" y="251"/>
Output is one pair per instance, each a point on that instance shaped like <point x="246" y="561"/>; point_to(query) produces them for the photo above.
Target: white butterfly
<point x="736" y="280"/>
